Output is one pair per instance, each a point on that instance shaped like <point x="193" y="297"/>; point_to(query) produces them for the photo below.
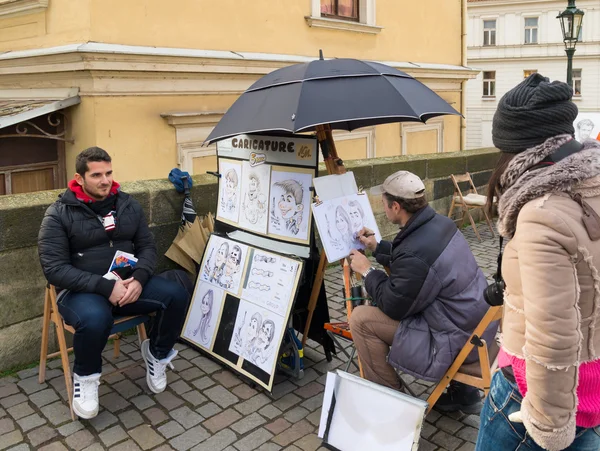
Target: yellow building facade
<point x="147" y="81"/>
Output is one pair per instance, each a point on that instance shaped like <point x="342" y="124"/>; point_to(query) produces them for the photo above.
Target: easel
<point x="334" y="165"/>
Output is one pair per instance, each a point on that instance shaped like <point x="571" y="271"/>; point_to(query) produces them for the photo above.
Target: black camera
<point x="494" y="293"/>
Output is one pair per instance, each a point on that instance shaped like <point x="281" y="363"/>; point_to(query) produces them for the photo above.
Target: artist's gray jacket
<point x="435" y="289"/>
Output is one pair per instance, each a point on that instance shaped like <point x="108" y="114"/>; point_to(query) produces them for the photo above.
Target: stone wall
<point x="22" y="282"/>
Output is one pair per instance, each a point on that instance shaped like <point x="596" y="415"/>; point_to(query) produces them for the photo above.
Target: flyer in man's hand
<point x="121" y="267"/>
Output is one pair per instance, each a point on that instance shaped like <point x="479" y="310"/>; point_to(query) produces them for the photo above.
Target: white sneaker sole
<point x="83" y="414"/>
<point x="145" y="351"/>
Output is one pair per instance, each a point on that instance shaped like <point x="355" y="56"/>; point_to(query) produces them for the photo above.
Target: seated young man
<point x="78" y="238"/>
<point x="428" y="306"/>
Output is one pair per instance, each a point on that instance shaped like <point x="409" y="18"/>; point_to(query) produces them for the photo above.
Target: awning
<point x="19" y="105"/>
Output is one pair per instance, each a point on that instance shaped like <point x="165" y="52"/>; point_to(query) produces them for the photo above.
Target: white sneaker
<point x="156" y="376"/>
<point x="85" y="395"/>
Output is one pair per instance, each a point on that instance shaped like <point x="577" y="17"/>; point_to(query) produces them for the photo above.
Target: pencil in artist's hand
<point x="368" y="234"/>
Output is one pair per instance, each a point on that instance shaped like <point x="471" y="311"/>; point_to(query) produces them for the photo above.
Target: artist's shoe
<point x="85" y="395"/>
<point x="156" y="375"/>
<point x="459" y="397"/>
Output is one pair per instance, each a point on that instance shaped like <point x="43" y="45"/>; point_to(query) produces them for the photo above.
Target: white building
<point x="509" y="39"/>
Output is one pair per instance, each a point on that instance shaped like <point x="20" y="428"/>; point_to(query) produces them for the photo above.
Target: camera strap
<point x="498" y="275"/>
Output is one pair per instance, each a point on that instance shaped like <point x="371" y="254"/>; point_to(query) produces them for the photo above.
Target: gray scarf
<point x="568" y="175"/>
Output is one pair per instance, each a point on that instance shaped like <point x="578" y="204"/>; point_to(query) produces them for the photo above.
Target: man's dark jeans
<point x="91" y="315"/>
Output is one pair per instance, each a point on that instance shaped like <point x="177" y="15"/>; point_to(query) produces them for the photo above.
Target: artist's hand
<point x="367" y="237"/>
<point x="358" y="261"/>
<point x="134" y="289"/>
<point x="118" y="292"/>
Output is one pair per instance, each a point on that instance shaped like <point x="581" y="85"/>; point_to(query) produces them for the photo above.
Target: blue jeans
<point x="91" y="315"/>
<point x="497" y="433"/>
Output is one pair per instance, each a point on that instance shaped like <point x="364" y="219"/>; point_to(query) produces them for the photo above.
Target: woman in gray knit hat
<point x="547" y="393"/>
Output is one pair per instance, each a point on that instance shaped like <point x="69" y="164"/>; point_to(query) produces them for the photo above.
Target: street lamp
<point x="570" y="22"/>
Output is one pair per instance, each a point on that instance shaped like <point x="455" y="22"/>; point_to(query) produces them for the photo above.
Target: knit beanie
<point x="532" y="112"/>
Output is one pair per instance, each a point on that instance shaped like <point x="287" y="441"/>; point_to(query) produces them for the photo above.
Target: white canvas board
<point x="290" y="214"/>
<point x="257" y="334"/>
<point x="230" y="184"/>
<point x="255" y="200"/>
<point x="368" y="416"/>
<point x="335" y="185"/>
<point x="203" y="317"/>
<point x="223" y="263"/>
<point x="340" y="220"/>
<point x="587" y="126"/>
<point x="270" y="281"/>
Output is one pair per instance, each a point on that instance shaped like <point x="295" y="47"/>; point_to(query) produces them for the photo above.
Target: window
<point x="489" y="84"/>
<point x="577" y="82"/>
<point x="489" y="32"/>
<point x="527" y="73"/>
<point x="340" y="9"/>
<point x="531" y="30"/>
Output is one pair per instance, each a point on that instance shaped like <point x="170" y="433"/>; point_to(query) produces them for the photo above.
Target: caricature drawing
<point x="232" y="267"/>
<point x="357" y="220"/>
<point x="229" y="198"/>
<point x="252" y="334"/>
<point x="344" y="226"/>
<point x="206" y="315"/>
<point x="585" y="127"/>
<point x="215" y="273"/>
<point x="255" y="202"/>
<point x="238" y="340"/>
<point x="263" y="349"/>
<point x="289" y="205"/>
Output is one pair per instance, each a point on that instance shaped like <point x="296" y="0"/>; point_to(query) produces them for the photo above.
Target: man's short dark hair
<point x="90" y="154"/>
<point x="409" y="205"/>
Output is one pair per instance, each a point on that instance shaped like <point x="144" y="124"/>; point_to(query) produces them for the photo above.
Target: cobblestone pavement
<point x="205" y="407"/>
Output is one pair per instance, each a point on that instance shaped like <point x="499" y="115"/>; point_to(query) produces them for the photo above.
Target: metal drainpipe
<point x="463" y="97"/>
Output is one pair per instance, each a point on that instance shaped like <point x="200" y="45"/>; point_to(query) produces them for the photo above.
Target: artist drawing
<point x="340" y="221"/>
<point x="204" y="312"/>
<point x="229" y="190"/>
<point x="289" y="216"/>
<point x="254" y="198"/>
<point x="223" y="264"/>
<point x="255" y="335"/>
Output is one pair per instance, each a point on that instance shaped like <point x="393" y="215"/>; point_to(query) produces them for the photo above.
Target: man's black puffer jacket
<point x="75" y="251"/>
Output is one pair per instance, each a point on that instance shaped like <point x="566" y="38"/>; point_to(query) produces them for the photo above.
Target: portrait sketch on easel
<point x="203" y="315"/>
<point x="290" y="214"/>
<point x="340" y="221"/>
<point x="255" y="201"/>
<point x="254" y="335"/>
<point x="229" y="190"/>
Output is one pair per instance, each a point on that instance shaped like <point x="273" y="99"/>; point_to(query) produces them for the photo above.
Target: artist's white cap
<point x="403" y="184"/>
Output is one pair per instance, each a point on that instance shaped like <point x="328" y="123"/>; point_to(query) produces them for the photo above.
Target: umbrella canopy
<point x="345" y="93"/>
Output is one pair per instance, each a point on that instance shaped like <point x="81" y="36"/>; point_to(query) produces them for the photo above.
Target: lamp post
<point x="570" y="23"/>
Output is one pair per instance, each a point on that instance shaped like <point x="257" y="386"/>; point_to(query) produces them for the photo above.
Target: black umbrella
<point x="346" y="94"/>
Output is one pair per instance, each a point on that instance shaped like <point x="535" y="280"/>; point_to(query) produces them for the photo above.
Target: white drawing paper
<point x="204" y="313"/>
<point x="257" y="333"/>
<point x="270" y="281"/>
<point x="340" y="220"/>
<point x="335" y="185"/>
<point x="255" y="201"/>
<point x="230" y="184"/>
<point x="224" y="263"/>
<point x="289" y="197"/>
<point x="587" y="126"/>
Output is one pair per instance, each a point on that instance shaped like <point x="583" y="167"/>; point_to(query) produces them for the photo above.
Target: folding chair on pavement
<point x="477" y="374"/>
<point x="468" y="202"/>
<point x="51" y="314"/>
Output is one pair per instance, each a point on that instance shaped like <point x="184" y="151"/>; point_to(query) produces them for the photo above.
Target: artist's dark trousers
<point x="91" y="315"/>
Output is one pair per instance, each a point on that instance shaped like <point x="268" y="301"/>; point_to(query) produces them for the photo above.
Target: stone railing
<point x="22" y="282"/>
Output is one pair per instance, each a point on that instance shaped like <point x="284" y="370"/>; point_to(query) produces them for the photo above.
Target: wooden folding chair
<point x="477" y="374"/>
<point x="469" y="202"/>
<point x="51" y="314"/>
